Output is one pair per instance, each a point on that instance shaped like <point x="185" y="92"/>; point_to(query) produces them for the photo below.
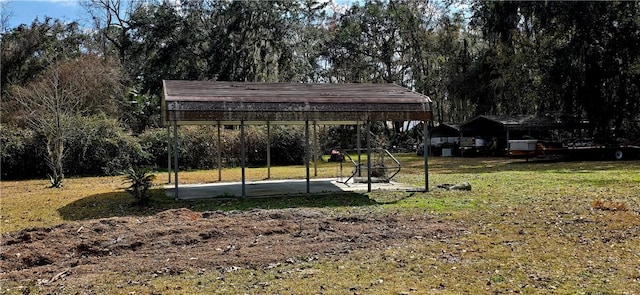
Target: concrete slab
<point x="268" y="188"/>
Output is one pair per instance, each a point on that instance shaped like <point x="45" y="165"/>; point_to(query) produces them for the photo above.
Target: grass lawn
<point x="525" y="227"/>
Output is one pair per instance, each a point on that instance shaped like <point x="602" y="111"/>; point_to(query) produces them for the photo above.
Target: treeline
<point x="62" y="82"/>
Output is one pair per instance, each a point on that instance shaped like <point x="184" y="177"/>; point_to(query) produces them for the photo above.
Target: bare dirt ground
<point x="181" y="240"/>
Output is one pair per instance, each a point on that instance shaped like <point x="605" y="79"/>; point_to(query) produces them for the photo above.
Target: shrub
<point x="287" y="145"/>
<point x="198" y="146"/>
<point x="256" y="143"/>
<point x="140" y="182"/>
<point x="99" y="145"/>
<point x="20" y="153"/>
<point x="126" y="152"/>
<point x="230" y="146"/>
<point x="154" y="143"/>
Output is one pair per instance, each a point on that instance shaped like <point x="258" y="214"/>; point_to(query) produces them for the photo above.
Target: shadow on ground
<point x="119" y="204"/>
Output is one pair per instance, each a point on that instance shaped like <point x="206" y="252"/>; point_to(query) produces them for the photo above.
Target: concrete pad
<point x="268" y="188"/>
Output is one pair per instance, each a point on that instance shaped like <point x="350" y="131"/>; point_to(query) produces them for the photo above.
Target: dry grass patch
<point x="569" y="228"/>
<point x="32" y="203"/>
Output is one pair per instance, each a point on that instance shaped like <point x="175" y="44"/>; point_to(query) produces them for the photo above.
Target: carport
<point x="255" y="103"/>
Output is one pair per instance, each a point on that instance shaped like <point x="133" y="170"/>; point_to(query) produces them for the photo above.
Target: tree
<point x="453" y="79"/>
<point x="384" y="42"/>
<point x="26" y="50"/>
<point x="66" y="90"/>
<point x="167" y="44"/>
<point x="5" y="15"/>
<point x="256" y="40"/>
<point x="98" y="82"/>
<point x="111" y="19"/>
<point x="48" y="106"/>
<point x="568" y="59"/>
<point x="306" y="37"/>
<point x="596" y="75"/>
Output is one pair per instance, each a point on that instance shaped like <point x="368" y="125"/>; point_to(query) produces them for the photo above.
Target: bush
<point x="140" y="182"/>
<point x="154" y="143"/>
<point x="198" y="147"/>
<point x="287" y="145"/>
<point x="21" y="153"/>
<point x="100" y="146"/>
<point x="255" y="144"/>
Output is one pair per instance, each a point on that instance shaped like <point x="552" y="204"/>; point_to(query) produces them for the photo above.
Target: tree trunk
<point x="55" y="152"/>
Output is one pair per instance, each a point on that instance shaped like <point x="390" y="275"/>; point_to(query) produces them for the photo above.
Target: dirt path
<point x="181" y="240"/>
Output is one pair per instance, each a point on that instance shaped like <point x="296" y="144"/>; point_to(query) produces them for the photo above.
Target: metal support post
<point x="358" y="148"/>
<point x="368" y="156"/>
<point x="169" y="152"/>
<point x="219" y="154"/>
<point x="242" y="156"/>
<point x="426" y="156"/>
<point x="268" y="150"/>
<point x="306" y="153"/>
<point x="175" y="157"/>
<point x="315" y="149"/>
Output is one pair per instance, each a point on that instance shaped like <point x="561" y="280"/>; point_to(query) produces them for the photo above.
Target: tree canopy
<point x="570" y="60"/>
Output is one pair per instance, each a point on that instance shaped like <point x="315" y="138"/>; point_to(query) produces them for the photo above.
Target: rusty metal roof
<point x="202" y="102"/>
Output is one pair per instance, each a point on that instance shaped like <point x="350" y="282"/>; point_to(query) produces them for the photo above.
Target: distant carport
<point x="254" y="103"/>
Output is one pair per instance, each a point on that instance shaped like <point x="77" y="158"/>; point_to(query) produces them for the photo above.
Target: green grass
<point x="524" y="227"/>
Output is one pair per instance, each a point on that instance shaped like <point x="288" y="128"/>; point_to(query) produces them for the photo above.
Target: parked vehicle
<point x="583" y="148"/>
<point x="473" y="146"/>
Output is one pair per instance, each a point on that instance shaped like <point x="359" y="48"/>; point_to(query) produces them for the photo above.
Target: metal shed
<point x="443" y="134"/>
<point x="242" y="103"/>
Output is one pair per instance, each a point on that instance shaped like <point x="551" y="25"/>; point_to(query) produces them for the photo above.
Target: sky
<point x="25" y="11"/>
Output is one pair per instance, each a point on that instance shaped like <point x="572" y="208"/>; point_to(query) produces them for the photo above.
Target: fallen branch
<point x="54" y="278"/>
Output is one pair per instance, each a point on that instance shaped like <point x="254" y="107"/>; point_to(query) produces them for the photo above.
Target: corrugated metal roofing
<point x="523" y="122"/>
<point x="197" y="102"/>
<point x="504" y="120"/>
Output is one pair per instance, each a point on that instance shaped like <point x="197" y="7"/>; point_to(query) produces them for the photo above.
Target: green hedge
<point x="100" y="146"/>
<point x="21" y="153"/>
<point x="97" y="146"/>
<point x="199" y="146"/>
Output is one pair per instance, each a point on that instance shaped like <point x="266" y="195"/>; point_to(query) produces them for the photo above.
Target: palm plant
<point x="140" y="182"/>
